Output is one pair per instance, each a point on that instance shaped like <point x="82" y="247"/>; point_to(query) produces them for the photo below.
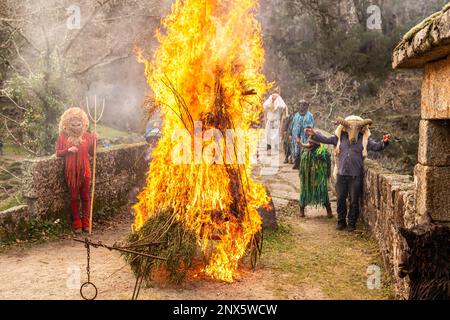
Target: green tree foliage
<point x="44" y="98"/>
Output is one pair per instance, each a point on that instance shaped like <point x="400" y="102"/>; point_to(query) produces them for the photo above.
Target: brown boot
<point x="329" y="211"/>
<point x="302" y="212"/>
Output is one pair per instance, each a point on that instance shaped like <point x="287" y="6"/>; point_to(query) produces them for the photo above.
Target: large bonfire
<point x="206" y="77"/>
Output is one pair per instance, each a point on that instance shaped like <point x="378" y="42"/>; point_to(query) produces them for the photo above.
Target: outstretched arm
<point x="380" y="145"/>
<point x="321" y="138"/>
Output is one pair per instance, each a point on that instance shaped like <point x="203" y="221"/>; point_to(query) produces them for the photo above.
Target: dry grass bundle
<point x="165" y="238"/>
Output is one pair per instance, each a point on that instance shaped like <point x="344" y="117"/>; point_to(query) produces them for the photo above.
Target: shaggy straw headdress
<point x="68" y="117"/>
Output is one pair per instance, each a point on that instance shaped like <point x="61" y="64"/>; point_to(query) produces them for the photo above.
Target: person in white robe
<point x="276" y="111"/>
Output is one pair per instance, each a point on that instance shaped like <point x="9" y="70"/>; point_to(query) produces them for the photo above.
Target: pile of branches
<point x="164" y="241"/>
<point x="168" y="240"/>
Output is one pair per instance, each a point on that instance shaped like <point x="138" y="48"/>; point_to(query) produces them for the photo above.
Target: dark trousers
<point x="298" y="159"/>
<point x="348" y="186"/>
<point x="287" y="149"/>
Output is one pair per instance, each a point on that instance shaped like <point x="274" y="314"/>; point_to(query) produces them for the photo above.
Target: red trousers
<point x="82" y="192"/>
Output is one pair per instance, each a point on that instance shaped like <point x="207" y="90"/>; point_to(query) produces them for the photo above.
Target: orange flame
<point x="210" y="56"/>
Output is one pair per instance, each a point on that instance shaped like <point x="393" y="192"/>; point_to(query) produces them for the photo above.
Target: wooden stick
<point x="95" y="120"/>
<point x="94" y="165"/>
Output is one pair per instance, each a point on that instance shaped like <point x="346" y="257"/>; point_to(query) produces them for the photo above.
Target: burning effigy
<point x="206" y="77"/>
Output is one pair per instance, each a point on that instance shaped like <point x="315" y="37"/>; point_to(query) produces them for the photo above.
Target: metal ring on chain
<point x="84" y="286"/>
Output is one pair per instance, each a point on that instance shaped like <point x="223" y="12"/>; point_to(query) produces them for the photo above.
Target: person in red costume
<point x="76" y="144"/>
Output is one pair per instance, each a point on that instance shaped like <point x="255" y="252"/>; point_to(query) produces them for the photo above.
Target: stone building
<point x="427" y="46"/>
<point x="392" y="201"/>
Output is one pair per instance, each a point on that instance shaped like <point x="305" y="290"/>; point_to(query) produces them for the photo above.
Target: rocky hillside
<point x="324" y="50"/>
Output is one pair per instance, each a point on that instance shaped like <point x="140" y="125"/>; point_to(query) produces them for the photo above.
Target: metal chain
<point x="88" y="271"/>
<point x="139" y="278"/>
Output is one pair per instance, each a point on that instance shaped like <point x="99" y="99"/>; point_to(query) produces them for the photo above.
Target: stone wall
<point x="388" y="203"/>
<point x="119" y="171"/>
<point x="13" y="220"/>
<point x="433" y="170"/>
<point x="436" y="90"/>
<point x="427" y="46"/>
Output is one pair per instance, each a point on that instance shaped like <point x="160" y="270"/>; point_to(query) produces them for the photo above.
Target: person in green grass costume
<point x="315" y="171"/>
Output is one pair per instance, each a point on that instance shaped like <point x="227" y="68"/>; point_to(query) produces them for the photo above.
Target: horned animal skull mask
<point x="353" y="126"/>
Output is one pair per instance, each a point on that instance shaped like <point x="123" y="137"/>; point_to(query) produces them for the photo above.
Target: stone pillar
<point x="432" y="173"/>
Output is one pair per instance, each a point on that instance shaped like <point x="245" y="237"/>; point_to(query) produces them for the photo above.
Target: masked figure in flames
<point x="75" y="144"/>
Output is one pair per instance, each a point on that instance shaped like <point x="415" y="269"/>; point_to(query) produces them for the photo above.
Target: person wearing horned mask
<point x="352" y="142"/>
<point x="302" y="119"/>
<point x="276" y="111"/>
<point x="75" y="145"/>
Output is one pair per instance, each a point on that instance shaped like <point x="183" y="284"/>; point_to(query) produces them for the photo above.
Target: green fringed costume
<point x="315" y="171"/>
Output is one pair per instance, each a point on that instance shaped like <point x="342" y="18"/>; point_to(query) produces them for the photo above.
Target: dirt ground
<point x="304" y="259"/>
